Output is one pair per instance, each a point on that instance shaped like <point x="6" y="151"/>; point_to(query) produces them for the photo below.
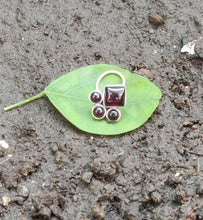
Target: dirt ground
<point x="52" y="170"/>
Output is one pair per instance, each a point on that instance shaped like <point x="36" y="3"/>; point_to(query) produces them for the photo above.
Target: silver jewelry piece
<point x="108" y="101"/>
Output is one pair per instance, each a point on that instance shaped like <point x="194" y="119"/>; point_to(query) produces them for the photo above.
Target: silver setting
<point x="97" y="105"/>
<point x="100" y="94"/>
<point x="107" y="73"/>
<point x="107" y="109"/>
<point x="103" y="95"/>
<point x="113" y="108"/>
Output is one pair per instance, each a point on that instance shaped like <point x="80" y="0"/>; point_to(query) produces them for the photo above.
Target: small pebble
<point x="18" y="199"/>
<point x="46" y="32"/>
<point x="58" y="157"/>
<point x="4" y="144"/>
<point x="86" y="177"/>
<point x="6" y="200"/>
<point x="98" y="38"/>
<point x="23" y="191"/>
<point x="154" y="52"/>
<point x="177" y="174"/>
<point x="98" y="211"/>
<point x="156" y="197"/>
<point x="135" y="197"/>
<point x="150" y="188"/>
<point x="75" y="198"/>
<point x="187" y="124"/>
<point x="151" y="31"/>
<point x="194" y="127"/>
<point x="54" y="148"/>
<point x="156" y="19"/>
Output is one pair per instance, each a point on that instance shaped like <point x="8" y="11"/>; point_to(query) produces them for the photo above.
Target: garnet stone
<point x="113" y="114"/>
<point x="98" y="111"/>
<point x="114" y="96"/>
<point x="95" y="97"/>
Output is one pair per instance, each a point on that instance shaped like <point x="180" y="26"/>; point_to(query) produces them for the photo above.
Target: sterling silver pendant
<point x="107" y="103"/>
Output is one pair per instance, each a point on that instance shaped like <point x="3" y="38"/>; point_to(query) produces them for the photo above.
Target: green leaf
<point x="69" y="94"/>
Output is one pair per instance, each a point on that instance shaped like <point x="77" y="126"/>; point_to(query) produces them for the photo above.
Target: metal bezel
<point x="107" y="109"/>
<point x="107" y="73"/>
<point x="103" y="96"/>
<point x="119" y="112"/>
<point x="98" y="92"/>
<point x="100" y="106"/>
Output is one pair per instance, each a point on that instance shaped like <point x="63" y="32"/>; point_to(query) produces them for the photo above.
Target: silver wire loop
<point x="107" y="73"/>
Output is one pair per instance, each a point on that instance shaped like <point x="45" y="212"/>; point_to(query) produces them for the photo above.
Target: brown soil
<point x="51" y="170"/>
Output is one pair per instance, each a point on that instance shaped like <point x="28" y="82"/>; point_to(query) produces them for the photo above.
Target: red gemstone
<point x="95" y="97"/>
<point x="98" y="112"/>
<point x="113" y="115"/>
<point x="114" y="96"/>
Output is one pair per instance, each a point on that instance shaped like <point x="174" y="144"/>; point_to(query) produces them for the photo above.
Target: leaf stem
<point x="25" y="101"/>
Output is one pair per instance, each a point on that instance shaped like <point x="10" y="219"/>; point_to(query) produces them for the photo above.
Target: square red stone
<point x="114" y="96"/>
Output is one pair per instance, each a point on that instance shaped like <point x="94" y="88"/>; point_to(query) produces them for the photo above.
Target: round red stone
<point x="113" y="114"/>
<point x="98" y="111"/>
<point x="95" y="97"/>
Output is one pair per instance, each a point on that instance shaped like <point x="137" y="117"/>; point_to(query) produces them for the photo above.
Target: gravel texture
<point x="51" y="170"/>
